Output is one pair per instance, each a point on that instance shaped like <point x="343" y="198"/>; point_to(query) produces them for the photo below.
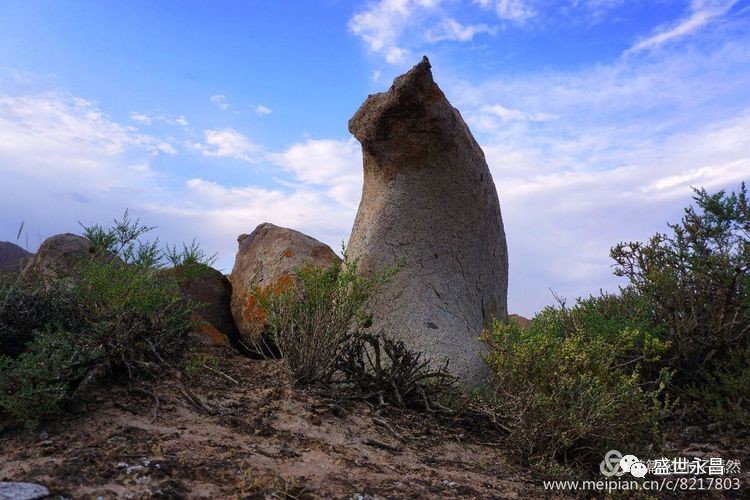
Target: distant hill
<point x="12" y="257"/>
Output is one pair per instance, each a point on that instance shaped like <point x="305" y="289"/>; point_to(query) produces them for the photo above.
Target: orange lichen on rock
<point x="254" y="314"/>
<point x="208" y="332"/>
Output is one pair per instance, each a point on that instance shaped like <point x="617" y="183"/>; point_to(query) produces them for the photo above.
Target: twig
<point x="387" y="426"/>
<point x="383" y="446"/>
<point x="153" y="395"/>
<point x="195" y="400"/>
<point x="220" y="373"/>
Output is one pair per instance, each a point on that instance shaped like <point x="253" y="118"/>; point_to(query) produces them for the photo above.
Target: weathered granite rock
<point x="429" y="198"/>
<point x="207" y="334"/>
<point x="57" y="257"/>
<point x="267" y="256"/>
<point x="210" y="289"/>
<point x="12" y="257"/>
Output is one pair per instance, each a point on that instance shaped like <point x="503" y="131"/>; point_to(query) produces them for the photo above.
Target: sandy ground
<point x="260" y="438"/>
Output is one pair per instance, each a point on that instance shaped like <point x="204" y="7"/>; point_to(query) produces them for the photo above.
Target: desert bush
<point x="27" y="307"/>
<point x="571" y="385"/>
<point x="35" y="385"/>
<point x="724" y="397"/>
<point x="312" y="314"/>
<point x="696" y="282"/>
<point x="120" y="317"/>
<point x="384" y="370"/>
<point x="189" y="256"/>
<point x="137" y="316"/>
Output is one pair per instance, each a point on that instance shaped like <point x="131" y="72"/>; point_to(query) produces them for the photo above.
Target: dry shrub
<point x="383" y="370"/>
<point x="311" y="316"/>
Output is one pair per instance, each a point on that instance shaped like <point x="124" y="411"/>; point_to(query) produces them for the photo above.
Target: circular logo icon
<point x="610" y="466"/>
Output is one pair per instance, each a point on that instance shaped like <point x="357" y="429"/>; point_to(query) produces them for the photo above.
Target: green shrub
<point x="571" y="385"/>
<point x="312" y="315"/>
<point x="198" y="363"/>
<point x="27" y="307"/>
<point x="136" y="315"/>
<point x="696" y="283"/>
<point x="121" y="316"/>
<point x="189" y="256"/>
<point x="35" y="385"/>
<point x="724" y="397"/>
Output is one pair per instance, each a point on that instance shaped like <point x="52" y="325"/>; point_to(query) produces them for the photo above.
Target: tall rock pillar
<point x="429" y="198"/>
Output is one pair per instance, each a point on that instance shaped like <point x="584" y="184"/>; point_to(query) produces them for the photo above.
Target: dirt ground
<point x="242" y="431"/>
<point x="258" y="438"/>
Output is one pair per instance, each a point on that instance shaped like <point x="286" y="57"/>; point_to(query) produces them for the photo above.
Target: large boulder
<point x="267" y="257"/>
<point x="12" y="257"/>
<point x="58" y="257"/>
<point x="429" y="198"/>
<point x="211" y="290"/>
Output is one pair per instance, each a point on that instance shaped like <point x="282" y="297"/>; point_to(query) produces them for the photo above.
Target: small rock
<point x="134" y="468"/>
<point x="22" y="491"/>
<point x="449" y="484"/>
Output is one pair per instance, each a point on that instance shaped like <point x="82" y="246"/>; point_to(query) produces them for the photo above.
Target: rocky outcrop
<point x="429" y="198"/>
<point x="57" y="258"/>
<point x="12" y="257"/>
<point x="212" y="292"/>
<point x="266" y="257"/>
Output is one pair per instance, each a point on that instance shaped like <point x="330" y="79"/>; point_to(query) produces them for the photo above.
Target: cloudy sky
<point x="208" y="118"/>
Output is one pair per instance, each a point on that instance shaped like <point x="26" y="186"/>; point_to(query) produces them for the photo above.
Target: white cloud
<point x="701" y="13"/>
<point x="510" y="10"/>
<point x="149" y="118"/>
<point x="382" y="23"/>
<point x="228" y="143"/>
<point x="220" y="101"/>
<point x="507" y="114"/>
<point x="224" y="212"/>
<point x="514" y="10"/>
<point x="52" y="133"/>
<point x="62" y="159"/>
<point x="336" y="165"/>
<point x="452" y="30"/>
<point x="140" y="118"/>
<point x="261" y="110"/>
<point x="627" y="142"/>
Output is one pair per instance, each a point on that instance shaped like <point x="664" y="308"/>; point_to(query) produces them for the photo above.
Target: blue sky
<point x="208" y="118"/>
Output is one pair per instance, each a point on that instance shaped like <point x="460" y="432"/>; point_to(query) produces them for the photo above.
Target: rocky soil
<point x="258" y="438"/>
